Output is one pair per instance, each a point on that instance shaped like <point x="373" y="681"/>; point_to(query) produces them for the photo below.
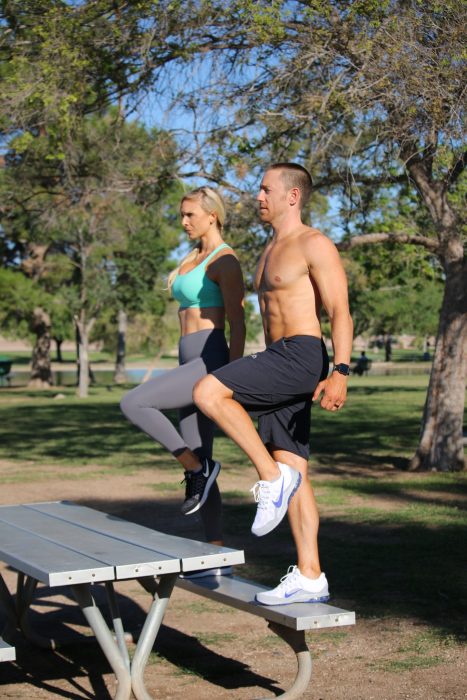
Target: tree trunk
<point x="119" y="374"/>
<point x="441" y="442"/>
<point x="58" y="349"/>
<point x="83" y="329"/>
<point x="41" y="372"/>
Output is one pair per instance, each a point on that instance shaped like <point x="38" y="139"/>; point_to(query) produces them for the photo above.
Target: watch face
<point x="342" y="369"/>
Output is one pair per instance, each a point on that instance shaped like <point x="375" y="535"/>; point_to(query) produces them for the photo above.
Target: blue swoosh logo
<point x="278" y="503"/>
<point x="297" y="590"/>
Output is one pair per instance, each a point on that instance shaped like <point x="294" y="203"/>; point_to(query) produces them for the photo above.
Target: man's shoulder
<point x="312" y="237"/>
<point x="311" y="233"/>
<point x="317" y="247"/>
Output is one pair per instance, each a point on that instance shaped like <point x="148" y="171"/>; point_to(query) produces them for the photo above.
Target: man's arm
<point x="329" y="276"/>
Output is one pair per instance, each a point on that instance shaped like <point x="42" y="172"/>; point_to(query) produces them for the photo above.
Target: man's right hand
<point x="334" y="389"/>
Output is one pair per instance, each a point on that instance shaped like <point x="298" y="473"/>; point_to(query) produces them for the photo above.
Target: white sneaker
<point x="295" y="588"/>
<point x="273" y="499"/>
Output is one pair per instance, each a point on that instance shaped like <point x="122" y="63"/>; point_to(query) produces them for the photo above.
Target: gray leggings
<point x="199" y="353"/>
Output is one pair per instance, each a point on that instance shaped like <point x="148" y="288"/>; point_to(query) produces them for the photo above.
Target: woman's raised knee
<point x="125" y="405"/>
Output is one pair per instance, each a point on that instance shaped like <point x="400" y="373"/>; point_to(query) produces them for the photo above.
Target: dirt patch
<point x="207" y="650"/>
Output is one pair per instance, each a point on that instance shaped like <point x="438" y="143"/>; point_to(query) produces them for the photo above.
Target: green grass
<point x="215" y="638"/>
<point x="379" y="426"/>
<point x="423" y="650"/>
<point x="392" y="543"/>
<point x="166" y="486"/>
<point x="408" y="663"/>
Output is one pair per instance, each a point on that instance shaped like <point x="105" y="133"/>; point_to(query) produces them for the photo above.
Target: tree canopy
<point x="369" y="95"/>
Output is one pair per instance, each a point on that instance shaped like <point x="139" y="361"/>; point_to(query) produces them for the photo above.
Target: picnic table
<point x="64" y="544"/>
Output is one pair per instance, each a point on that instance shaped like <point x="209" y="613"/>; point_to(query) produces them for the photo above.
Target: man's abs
<point x="288" y="316"/>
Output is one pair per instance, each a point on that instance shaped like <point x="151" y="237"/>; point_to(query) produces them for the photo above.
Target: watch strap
<point x="342" y="368"/>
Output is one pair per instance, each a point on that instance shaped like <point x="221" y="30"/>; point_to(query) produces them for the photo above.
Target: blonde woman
<point x="208" y="285"/>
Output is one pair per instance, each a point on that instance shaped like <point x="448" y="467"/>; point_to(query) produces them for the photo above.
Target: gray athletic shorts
<point x="276" y="387"/>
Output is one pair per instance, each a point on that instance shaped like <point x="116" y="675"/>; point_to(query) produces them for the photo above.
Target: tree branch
<point x="370" y="238"/>
<point x="457" y="170"/>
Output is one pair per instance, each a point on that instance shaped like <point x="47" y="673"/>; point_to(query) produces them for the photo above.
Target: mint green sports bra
<point x="194" y="289"/>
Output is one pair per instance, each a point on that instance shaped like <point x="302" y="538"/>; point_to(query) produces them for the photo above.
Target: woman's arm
<point x="230" y="280"/>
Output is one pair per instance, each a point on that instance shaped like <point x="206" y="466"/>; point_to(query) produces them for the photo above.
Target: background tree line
<point x="368" y="95"/>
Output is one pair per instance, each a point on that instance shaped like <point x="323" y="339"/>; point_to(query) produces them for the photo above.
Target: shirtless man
<point x="299" y="272"/>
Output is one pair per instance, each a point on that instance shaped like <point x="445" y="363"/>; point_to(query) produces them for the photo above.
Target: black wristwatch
<point x="342" y="369"/>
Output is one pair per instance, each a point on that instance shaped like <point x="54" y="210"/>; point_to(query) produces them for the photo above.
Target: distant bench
<point x="5" y="370"/>
<point x="287" y="621"/>
<point x="362" y="366"/>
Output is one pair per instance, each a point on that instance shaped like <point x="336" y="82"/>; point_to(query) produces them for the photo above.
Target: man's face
<point x="272" y="197"/>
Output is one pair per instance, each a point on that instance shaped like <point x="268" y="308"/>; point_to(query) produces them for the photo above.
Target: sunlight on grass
<point x="404" y="530"/>
<point x="344" y="493"/>
<point x="408" y="663"/>
<point x="416" y="514"/>
<point x="215" y="638"/>
<point x="429" y="640"/>
<point x="165" y="486"/>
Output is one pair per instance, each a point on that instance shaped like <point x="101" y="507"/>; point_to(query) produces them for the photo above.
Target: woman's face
<point x="195" y="220"/>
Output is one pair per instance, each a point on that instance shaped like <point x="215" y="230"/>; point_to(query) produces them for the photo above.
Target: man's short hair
<point x="294" y="175"/>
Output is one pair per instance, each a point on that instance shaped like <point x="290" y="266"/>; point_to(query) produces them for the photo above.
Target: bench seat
<point x="240" y="593"/>
<point x="287" y="621"/>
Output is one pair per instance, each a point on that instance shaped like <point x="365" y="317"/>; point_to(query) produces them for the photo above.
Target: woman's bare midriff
<point x="194" y="320"/>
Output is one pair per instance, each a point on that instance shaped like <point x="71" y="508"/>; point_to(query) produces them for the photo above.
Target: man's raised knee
<point x="201" y="392"/>
<point x="207" y="392"/>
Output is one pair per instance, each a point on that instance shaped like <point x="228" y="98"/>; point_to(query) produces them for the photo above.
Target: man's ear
<point x="294" y="196"/>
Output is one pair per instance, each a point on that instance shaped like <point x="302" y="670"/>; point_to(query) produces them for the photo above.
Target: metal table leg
<point x="161" y="595"/>
<point x="17" y="609"/>
<point x="103" y="635"/>
<point x="295" y="639"/>
<point x="26" y="586"/>
<point x="117" y="622"/>
<point x="9" y="607"/>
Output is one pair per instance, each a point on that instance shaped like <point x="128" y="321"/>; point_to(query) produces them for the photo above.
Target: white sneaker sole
<point x="304" y="597"/>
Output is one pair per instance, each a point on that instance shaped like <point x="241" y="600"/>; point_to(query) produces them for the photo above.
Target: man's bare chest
<point x="280" y="268"/>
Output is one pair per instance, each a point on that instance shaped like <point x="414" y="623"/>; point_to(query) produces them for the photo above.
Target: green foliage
<point x="63" y="60"/>
<point x="394" y="289"/>
<point x="19" y="296"/>
<point x="94" y="221"/>
<point x="254" y="325"/>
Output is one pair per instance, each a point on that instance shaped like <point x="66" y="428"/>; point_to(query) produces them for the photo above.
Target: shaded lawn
<point x="391" y="544"/>
<point x="379" y="425"/>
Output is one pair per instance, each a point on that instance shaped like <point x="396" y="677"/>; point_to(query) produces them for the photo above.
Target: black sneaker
<point x="198" y="485"/>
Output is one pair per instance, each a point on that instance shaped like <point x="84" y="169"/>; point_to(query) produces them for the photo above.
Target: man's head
<point x="295" y="176"/>
<point x="285" y="187"/>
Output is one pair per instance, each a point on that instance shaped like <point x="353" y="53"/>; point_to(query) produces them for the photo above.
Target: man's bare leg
<point x="303" y="516"/>
<point x="215" y="400"/>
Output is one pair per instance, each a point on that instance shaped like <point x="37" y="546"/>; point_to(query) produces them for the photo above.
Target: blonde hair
<point x="212" y="203"/>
